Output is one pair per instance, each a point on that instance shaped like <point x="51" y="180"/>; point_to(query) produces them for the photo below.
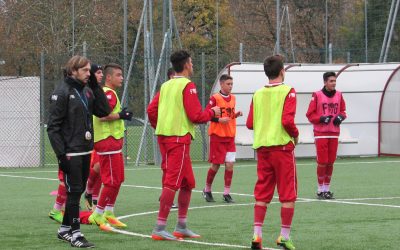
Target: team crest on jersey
<point x="109" y="97"/>
<point x="54" y="97"/>
<point x="193" y="91"/>
<point x="292" y="95"/>
<point x="71" y="97"/>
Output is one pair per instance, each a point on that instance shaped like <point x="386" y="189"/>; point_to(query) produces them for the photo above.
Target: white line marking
<point x="204" y="207"/>
<point x="239" y="166"/>
<point x="342" y="201"/>
<point x="363" y="199"/>
<point x="188" y="241"/>
<point x="29" y="177"/>
<point x="360" y="203"/>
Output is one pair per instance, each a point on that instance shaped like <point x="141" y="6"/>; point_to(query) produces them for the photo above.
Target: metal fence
<point x="29" y="76"/>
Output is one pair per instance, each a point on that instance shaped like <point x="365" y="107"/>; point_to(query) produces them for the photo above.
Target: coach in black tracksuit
<point x="70" y="131"/>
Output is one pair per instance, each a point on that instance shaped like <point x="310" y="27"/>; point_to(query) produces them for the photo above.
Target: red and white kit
<point x="111" y="161"/>
<point x="276" y="164"/>
<point x="326" y="135"/>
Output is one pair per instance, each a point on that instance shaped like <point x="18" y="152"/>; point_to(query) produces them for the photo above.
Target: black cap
<point x="95" y="67"/>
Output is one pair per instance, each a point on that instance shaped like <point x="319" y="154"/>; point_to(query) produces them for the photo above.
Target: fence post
<point x="203" y="103"/>
<point x="42" y="130"/>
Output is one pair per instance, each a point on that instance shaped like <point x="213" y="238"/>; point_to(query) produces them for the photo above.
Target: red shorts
<point x="276" y="168"/>
<point x="221" y="152"/>
<point x="61" y="175"/>
<point x="94" y="158"/>
<point x="326" y="150"/>
<point x="176" y="166"/>
<point x="112" y="169"/>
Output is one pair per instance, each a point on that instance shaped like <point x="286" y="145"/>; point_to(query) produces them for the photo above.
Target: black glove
<point x="338" y="120"/>
<point x="325" y="119"/>
<point x="63" y="164"/>
<point x="93" y="81"/>
<point x="125" y="115"/>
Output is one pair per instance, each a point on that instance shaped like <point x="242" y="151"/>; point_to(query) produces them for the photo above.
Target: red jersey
<point x="193" y="110"/>
<point x="288" y="114"/>
<point x="314" y="112"/>
<point x="110" y="143"/>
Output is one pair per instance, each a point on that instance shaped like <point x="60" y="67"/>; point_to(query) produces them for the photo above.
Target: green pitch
<point x="365" y="214"/>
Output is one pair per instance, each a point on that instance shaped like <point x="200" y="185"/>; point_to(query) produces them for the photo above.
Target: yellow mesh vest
<point x="268" y="105"/>
<point x="103" y="130"/>
<point x="172" y="119"/>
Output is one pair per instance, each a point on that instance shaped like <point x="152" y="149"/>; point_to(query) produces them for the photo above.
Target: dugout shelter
<point x="371" y="93"/>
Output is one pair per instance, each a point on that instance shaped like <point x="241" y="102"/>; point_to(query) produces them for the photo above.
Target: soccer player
<point x="56" y="213"/>
<point x="173" y="112"/>
<point x="94" y="181"/>
<point x="109" y="140"/>
<point x="271" y="116"/>
<point x="170" y="74"/>
<point x="70" y="131"/>
<point x="222" y="133"/>
<point x="326" y="112"/>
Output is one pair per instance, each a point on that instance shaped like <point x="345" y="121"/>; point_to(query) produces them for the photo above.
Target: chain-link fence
<point x="311" y="32"/>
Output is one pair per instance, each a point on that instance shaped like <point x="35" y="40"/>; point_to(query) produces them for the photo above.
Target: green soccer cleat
<point x="110" y="217"/>
<point x="101" y="221"/>
<point x="256" y="242"/>
<point x="56" y="215"/>
<point x="285" y="243"/>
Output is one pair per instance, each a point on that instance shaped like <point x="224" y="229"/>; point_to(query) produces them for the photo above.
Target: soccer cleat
<point x="320" y="195"/>
<point x="227" y="198"/>
<point x="110" y="217"/>
<point x="56" y="215"/>
<point x="208" y="196"/>
<point x="184" y="233"/>
<point x="99" y="220"/>
<point x="81" y="242"/>
<point x="88" y="201"/>
<point x="256" y="242"/>
<point x="162" y="235"/>
<point x="328" y="195"/>
<point x="285" y="243"/>
<point x="64" y="236"/>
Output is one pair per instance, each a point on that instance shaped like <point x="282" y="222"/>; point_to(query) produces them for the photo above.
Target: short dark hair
<point x="178" y="60"/>
<point x="273" y="66"/>
<point x="74" y="63"/>
<point x="170" y="73"/>
<point x="327" y="75"/>
<point x="225" y="77"/>
<point x="109" y="68"/>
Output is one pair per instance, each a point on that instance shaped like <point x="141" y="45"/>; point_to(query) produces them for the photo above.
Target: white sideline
<point x="245" y="165"/>
<point x="200" y="167"/>
<point x="342" y="201"/>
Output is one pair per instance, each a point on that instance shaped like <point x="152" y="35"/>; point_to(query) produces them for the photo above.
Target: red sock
<point x="210" y="178"/>
<point x="96" y="189"/>
<point x="228" y="180"/>
<point x="286" y="221"/>
<point x="166" y="200"/>
<point x="114" y="197"/>
<point x="321" y="177"/>
<point x="328" y="174"/>
<point x="183" y="204"/>
<point x="93" y="176"/>
<point x="259" y="216"/>
<point x="107" y="195"/>
<point x="61" y="195"/>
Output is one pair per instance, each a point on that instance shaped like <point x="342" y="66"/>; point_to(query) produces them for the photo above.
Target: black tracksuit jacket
<point x="72" y="105"/>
